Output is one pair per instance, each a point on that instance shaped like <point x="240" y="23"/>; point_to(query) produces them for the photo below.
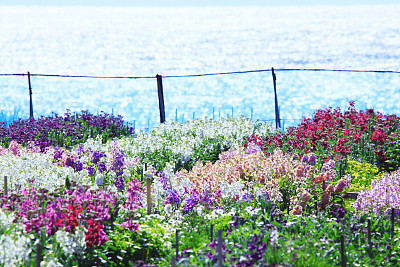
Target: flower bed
<point x="270" y="200"/>
<point x="64" y="131"/>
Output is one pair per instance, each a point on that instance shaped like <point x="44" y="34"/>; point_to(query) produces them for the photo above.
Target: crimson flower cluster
<point x="44" y="211"/>
<point x="333" y="134"/>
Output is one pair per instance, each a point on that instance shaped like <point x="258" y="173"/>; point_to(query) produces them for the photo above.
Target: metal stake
<point x="30" y="97"/>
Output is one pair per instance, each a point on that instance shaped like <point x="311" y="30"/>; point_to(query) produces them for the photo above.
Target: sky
<point x="193" y="2"/>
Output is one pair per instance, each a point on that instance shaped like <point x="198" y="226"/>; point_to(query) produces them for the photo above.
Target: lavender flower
<point x="207" y="200"/>
<point x="173" y="197"/>
<point x="78" y="166"/>
<point x="96" y="156"/>
<point x="164" y="181"/>
<point x="310" y="159"/>
<point x="329" y="166"/>
<point x="191" y="202"/>
<point x="101" y="167"/>
<point x="382" y="197"/>
<point x="90" y="170"/>
<point x="247" y="197"/>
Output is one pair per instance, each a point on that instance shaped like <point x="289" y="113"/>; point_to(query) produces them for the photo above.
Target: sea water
<point x="137" y="42"/>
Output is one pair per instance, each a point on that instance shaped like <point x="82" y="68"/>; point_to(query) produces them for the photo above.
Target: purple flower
<point x="329" y="166"/>
<point x="96" y="156"/>
<point x="341" y="213"/>
<point x="207" y="200"/>
<point x="164" y="181"/>
<point x="76" y="128"/>
<point x="78" y="166"/>
<point x="310" y="159"/>
<point x="119" y="182"/>
<point x="253" y="148"/>
<point x="247" y="197"/>
<point x="294" y="256"/>
<point x="69" y="163"/>
<point x="191" y="202"/>
<point x="173" y="197"/>
<point x="101" y="167"/>
<point x="80" y="150"/>
<point x="90" y="170"/>
<point x="57" y="154"/>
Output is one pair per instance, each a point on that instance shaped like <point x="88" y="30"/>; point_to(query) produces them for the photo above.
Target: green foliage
<point x="222" y="223"/>
<point x="303" y="241"/>
<point x="125" y="247"/>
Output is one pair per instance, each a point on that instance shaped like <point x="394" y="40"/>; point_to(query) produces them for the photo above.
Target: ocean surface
<point x="129" y="41"/>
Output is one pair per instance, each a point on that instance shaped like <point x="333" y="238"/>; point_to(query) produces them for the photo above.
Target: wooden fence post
<point x="342" y="252"/>
<point x="392" y="220"/>
<point x="369" y="236"/>
<point x="160" y="98"/>
<point x="30" y="97"/>
<point x="176" y="244"/>
<point x="220" y="248"/>
<point x="277" y="117"/>
<point x="173" y="262"/>
<point x="148" y="182"/>
<point x="369" y="231"/>
<point x="5" y="186"/>
<point x="39" y="257"/>
<point x="211" y="232"/>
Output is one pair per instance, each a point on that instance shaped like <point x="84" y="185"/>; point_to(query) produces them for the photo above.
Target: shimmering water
<point x="133" y="41"/>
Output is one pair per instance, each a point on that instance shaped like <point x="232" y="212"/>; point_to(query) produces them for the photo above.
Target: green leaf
<point x="363" y="218"/>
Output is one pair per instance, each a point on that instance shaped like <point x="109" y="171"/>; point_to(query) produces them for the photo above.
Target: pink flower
<point x="322" y="177"/>
<point x="305" y="197"/>
<point x="340" y="186"/>
<point x="326" y="195"/>
<point x="131" y="226"/>
<point x="297" y="210"/>
<point x="14" y="148"/>
<point x="300" y="171"/>
<point x="33" y="148"/>
<point x="2" y="150"/>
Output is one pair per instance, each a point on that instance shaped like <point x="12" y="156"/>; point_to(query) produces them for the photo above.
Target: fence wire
<point x="195" y="75"/>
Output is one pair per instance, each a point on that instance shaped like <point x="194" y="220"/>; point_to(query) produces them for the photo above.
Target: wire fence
<point x="295" y="93"/>
<point x="196" y="75"/>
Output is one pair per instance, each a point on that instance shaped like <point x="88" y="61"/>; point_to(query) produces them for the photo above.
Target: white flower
<point x="99" y="179"/>
<point x="168" y="209"/>
<point x="200" y="209"/>
<point x="6" y="220"/>
<point x="49" y="261"/>
<point x="14" y="249"/>
<point x="71" y="243"/>
<point x="242" y="259"/>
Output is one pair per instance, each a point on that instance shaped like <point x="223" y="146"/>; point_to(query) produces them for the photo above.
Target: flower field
<point x="86" y="190"/>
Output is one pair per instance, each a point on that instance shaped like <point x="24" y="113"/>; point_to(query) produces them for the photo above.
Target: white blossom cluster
<point x="72" y="243"/>
<point x="6" y="220"/>
<point x="15" y="245"/>
<point x="64" y="248"/>
<point x="38" y="169"/>
<point x="182" y="138"/>
<point x="49" y="260"/>
<point x="219" y="213"/>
